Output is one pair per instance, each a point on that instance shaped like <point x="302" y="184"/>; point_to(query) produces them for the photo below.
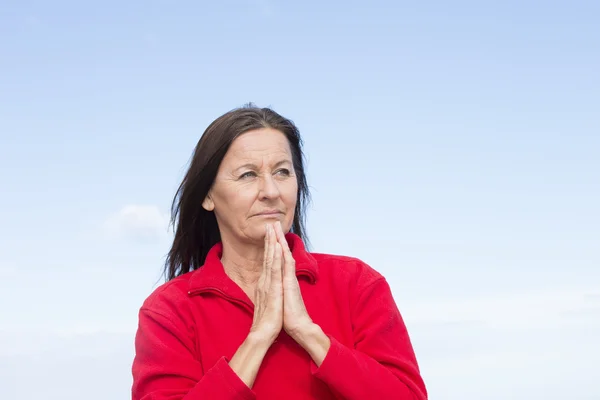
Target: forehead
<point x="259" y="145"/>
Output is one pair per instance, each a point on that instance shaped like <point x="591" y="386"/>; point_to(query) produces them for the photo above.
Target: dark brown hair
<point x="196" y="229"/>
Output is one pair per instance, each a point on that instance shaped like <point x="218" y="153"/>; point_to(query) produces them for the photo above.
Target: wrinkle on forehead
<point x="260" y="160"/>
<point x="260" y="148"/>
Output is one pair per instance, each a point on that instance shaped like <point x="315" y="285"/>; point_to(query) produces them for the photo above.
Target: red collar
<point x="211" y="277"/>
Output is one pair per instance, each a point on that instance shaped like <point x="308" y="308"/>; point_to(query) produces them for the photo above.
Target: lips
<point x="269" y="212"/>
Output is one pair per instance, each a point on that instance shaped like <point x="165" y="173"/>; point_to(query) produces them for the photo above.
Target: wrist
<point x="260" y="340"/>
<point x="249" y="356"/>
<point x="303" y="330"/>
<point x="303" y="333"/>
<point x="312" y="339"/>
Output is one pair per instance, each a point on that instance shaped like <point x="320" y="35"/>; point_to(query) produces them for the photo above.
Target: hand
<point x="268" y="298"/>
<point x="296" y="320"/>
<point x="268" y="314"/>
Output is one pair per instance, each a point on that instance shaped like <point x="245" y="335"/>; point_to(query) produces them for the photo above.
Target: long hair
<point x="196" y="229"/>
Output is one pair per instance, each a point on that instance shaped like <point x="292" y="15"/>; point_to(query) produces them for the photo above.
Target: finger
<point x="266" y="234"/>
<point x="282" y="239"/>
<point x="277" y="263"/>
<point x="289" y="264"/>
<point x="272" y="242"/>
<point x="269" y="253"/>
<point x="279" y="231"/>
<point x="289" y="268"/>
<point x="276" y="281"/>
<point x="273" y="234"/>
<point x="267" y="243"/>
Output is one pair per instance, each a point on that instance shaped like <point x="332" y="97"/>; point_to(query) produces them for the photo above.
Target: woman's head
<point x="247" y="170"/>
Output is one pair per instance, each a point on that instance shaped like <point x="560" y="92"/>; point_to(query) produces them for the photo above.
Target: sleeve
<point x="382" y="364"/>
<point x="165" y="368"/>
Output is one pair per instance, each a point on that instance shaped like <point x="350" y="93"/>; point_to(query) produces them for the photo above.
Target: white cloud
<point x="141" y="222"/>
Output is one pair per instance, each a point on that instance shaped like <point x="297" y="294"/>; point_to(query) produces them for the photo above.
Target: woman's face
<point x="255" y="185"/>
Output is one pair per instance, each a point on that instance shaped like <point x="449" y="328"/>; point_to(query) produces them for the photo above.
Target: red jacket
<point x="192" y="325"/>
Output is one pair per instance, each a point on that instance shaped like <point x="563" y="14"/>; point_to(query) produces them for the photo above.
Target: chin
<point x="258" y="231"/>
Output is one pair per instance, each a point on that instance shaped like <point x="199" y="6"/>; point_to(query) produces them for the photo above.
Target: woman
<point x="248" y="312"/>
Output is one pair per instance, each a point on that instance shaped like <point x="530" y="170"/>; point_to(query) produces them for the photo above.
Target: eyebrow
<point x="253" y="166"/>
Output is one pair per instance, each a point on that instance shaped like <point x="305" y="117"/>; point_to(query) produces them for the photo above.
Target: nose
<point x="269" y="188"/>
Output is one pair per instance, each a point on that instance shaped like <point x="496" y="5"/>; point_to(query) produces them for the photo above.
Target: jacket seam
<point x="367" y="288"/>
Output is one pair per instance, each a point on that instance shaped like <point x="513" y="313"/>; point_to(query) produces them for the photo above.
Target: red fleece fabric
<point x="190" y="327"/>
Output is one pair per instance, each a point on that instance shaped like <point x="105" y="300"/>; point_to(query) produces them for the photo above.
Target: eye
<point x="248" y="174"/>
<point x="283" y="172"/>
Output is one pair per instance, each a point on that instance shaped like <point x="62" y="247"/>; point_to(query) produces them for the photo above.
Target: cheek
<point x="239" y="200"/>
<point x="291" y="194"/>
<point x="232" y="200"/>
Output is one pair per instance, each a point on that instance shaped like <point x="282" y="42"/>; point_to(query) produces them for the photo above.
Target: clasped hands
<point x="278" y="301"/>
<point x="278" y="305"/>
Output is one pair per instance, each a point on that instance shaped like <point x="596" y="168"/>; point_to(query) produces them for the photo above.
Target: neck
<point x="243" y="263"/>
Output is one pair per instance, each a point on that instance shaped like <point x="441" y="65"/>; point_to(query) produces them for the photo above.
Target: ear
<point x="208" y="203"/>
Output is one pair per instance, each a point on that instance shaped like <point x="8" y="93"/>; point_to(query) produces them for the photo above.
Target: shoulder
<point x="166" y="315"/>
<point x="171" y="296"/>
<point x="346" y="269"/>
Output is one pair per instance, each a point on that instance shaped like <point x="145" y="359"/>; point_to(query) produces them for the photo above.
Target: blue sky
<point x="454" y="146"/>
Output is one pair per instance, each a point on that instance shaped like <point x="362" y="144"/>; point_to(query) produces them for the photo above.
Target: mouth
<point x="269" y="213"/>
